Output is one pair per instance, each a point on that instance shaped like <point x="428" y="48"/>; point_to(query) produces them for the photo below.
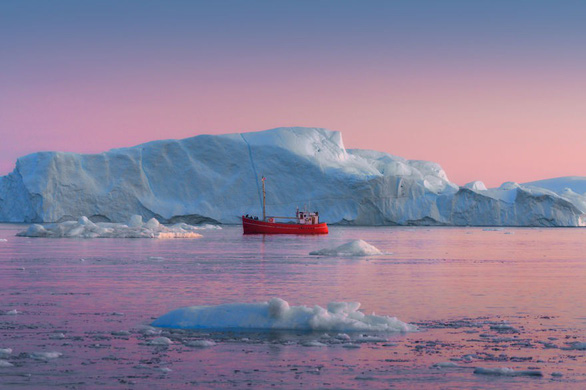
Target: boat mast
<point x="263" y="199"/>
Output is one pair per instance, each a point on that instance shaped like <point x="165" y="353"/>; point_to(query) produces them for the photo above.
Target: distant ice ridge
<point x="208" y="178"/>
<point x="276" y="314"/>
<point x="352" y="248"/>
<point x="84" y="228"/>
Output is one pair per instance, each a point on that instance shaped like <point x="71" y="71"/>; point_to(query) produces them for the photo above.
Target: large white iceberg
<point x="217" y="179"/>
<point x="276" y="314"/>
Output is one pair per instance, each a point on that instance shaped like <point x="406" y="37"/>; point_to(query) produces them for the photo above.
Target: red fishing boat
<point x="304" y="222"/>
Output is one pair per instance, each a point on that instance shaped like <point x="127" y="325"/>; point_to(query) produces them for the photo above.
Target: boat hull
<point x="252" y="226"/>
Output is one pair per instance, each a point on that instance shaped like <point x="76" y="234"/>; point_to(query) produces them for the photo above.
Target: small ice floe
<point x="493" y="229"/>
<point x="135" y="228"/>
<point x="466" y="358"/>
<point x="160" y="341"/>
<point x="156" y="258"/>
<point x="3" y="240"/>
<point x="342" y="336"/>
<point x="557" y="374"/>
<point x="506" y="372"/>
<point x="45" y="355"/>
<point x="5" y="352"/>
<point x="352" y="248"/>
<point x="276" y="314"/>
<point x="12" y="312"/>
<point x="505" y="328"/>
<point x="164" y="370"/>
<point x="149" y="330"/>
<point x="201" y="343"/>
<point x="445" y="365"/>
<point x="313" y="343"/>
<point x="351" y="346"/>
<point x="120" y="333"/>
<point x="363" y="338"/>
<point x="5" y="363"/>
<point x="576" y="346"/>
<point x="56" y="336"/>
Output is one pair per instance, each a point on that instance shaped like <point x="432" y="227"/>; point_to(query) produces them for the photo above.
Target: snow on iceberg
<point x="209" y="179"/>
<point x="84" y="228"/>
<point x="276" y="314"/>
<point x="352" y="248"/>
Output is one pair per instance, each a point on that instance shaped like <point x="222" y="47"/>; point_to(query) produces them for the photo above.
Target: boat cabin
<point x="307" y="218"/>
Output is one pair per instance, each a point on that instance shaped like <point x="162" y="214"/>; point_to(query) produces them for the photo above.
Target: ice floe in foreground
<point x="276" y="314"/>
<point x="136" y="228"/>
<point x="352" y="248"/>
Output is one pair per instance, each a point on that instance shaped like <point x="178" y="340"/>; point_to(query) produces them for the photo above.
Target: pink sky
<point x="476" y="128"/>
<point x="490" y="96"/>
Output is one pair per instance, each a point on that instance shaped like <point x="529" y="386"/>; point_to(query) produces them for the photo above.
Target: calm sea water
<point x="506" y="298"/>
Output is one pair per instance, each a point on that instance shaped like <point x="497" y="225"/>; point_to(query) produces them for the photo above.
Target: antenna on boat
<point x="263" y="199"/>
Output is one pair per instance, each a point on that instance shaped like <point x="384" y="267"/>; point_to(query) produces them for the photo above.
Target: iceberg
<point x="84" y="228"/>
<point x="352" y="248"/>
<point x="216" y="179"/>
<point x="277" y="314"/>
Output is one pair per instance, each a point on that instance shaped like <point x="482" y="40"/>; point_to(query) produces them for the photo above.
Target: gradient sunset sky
<point x="492" y="90"/>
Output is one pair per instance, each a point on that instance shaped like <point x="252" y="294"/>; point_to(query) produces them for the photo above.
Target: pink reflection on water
<point x="437" y="277"/>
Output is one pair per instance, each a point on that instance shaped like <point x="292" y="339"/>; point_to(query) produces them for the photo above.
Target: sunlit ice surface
<point x="493" y="307"/>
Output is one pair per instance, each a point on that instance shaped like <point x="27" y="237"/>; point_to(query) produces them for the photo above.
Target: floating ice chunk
<point x="201" y="343"/>
<point x="5" y="363"/>
<point x="160" y="341"/>
<point x="352" y="248"/>
<point x="577" y="346"/>
<point x="84" y="228"/>
<point x="313" y="343"/>
<point x="12" y="312"/>
<point x="445" y="365"/>
<point x="149" y="330"/>
<point x="120" y="333"/>
<point x="505" y="328"/>
<point x="5" y="352"/>
<point x="3" y="240"/>
<point x="277" y="314"/>
<point x="371" y="339"/>
<point x="506" y="372"/>
<point x="57" y="336"/>
<point x="45" y="355"/>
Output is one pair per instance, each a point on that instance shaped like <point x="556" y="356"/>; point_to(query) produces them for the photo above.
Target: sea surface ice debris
<point x="352" y="248"/>
<point x="5" y="352"/>
<point x="160" y="341"/>
<point x="136" y="228"/>
<point x="504" y="371"/>
<point x="45" y="355"/>
<point x="277" y="314"/>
